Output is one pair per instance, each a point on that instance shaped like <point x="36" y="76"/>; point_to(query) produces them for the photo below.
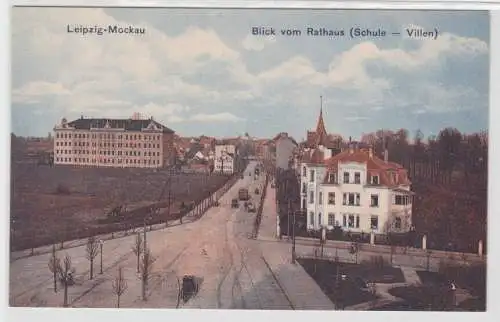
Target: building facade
<point x="225" y="158"/>
<point x="285" y="147"/>
<point x="357" y="191"/>
<point x="141" y="143"/>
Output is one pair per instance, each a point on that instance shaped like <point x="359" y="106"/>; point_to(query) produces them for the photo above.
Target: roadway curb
<point x="279" y="283"/>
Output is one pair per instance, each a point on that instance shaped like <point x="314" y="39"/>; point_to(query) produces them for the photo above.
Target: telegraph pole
<point x="288" y="221"/>
<point x="169" y="200"/>
<point x="294" y="255"/>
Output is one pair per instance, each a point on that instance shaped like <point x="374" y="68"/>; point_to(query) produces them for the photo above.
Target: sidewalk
<point x="267" y="230"/>
<point x="411" y="276"/>
<point x="301" y="290"/>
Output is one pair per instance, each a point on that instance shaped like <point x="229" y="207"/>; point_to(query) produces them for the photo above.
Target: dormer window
<point x="394" y="177"/>
<point x="332" y="178"/>
<point x="375" y="180"/>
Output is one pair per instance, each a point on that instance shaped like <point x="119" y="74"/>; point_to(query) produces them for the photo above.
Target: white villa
<point x="355" y="190"/>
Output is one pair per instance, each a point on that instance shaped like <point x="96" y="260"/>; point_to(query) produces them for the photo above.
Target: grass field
<point x="62" y="203"/>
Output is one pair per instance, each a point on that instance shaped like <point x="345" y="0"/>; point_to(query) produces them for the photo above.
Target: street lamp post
<point x="101" y="243"/>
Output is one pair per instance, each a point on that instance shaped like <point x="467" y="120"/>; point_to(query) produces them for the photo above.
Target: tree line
<point x="449" y="173"/>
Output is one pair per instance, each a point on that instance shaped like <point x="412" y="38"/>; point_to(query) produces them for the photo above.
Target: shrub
<point x="62" y="189"/>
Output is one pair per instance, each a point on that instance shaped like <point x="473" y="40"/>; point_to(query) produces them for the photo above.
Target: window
<point x="394" y="177"/>
<point x="374" y="222"/>
<point x="331" y="198"/>
<point x="311" y="218"/>
<point x="331" y="178"/>
<point x="331" y="219"/>
<point x="304" y="203"/>
<point x="357" y="221"/>
<point x="344" y="221"/>
<point x="344" y="199"/>
<point x="401" y="200"/>
<point x="397" y="223"/>
<point x="304" y="171"/>
<point x="350" y="223"/>
<point x="319" y="219"/>
<point x="311" y="196"/>
<point x="304" y="187"/>
<point x="351" y="199"/>
<point x="357" y="177"/>
<point x="374" y="201"/>
<point x="320" y="201"/>
<point x="374" y="179"/>
<point x="346" y="177"/>
<point x="311" y="176"/>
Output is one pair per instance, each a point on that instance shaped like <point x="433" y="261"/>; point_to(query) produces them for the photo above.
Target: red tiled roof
<point x="316" y="157"/>
<point x="375" y="166"/>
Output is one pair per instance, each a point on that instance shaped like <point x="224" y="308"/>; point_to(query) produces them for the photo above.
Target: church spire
<point x="321" y="134"/>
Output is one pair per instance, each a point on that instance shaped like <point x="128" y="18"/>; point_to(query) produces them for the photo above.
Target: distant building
<point x="356" y="191"/>
<point x="134" y="142"/>
<point x="225" y="158"/>
<point x="285" y="147"/>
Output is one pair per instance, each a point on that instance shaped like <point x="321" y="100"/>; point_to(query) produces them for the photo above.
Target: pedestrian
<point x="453" y="289"/>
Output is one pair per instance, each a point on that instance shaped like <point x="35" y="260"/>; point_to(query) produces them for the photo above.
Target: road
<point x="214" y="249"/>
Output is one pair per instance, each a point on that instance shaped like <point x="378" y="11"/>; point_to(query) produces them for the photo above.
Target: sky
<point x="202" y="72"/>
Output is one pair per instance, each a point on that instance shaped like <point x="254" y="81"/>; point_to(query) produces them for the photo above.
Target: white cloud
<point x="257" y="43"/>
<point x="174" y="119"/>
<point x="199" y="71"/>
<point x="217" y="117"/>
<point x="355" y="118"/>
<point x="34" y="92"/>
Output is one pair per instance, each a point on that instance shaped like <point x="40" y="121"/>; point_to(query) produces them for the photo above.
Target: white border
<point x="125" y="315"/>
<point x="353" y="4"/>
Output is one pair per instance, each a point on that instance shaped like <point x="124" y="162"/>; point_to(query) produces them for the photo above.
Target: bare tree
<point x="92" y="252"/>
<point x="66" y="272"/>
<point x="119" y="286"/>
<point x="393" y="251"/>
<point x="145" y="272"/>
<point x="54" y="266"/>
<point x="138" y="249"/>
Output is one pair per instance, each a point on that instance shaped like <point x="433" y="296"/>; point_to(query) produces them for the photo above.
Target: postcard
<point x="253" y="159"/>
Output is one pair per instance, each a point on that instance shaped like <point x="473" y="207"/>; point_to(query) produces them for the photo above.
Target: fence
<point x="193" y="214"/>
<point x="258" y="217"/>
<point x="396" y="255"/>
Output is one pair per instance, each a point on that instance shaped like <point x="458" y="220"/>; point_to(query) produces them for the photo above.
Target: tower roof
<point x="321" y="135"/>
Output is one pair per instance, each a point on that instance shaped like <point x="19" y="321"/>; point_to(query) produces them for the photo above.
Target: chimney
<point x="386" y="155"/>
<point x="370" y="152"/>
